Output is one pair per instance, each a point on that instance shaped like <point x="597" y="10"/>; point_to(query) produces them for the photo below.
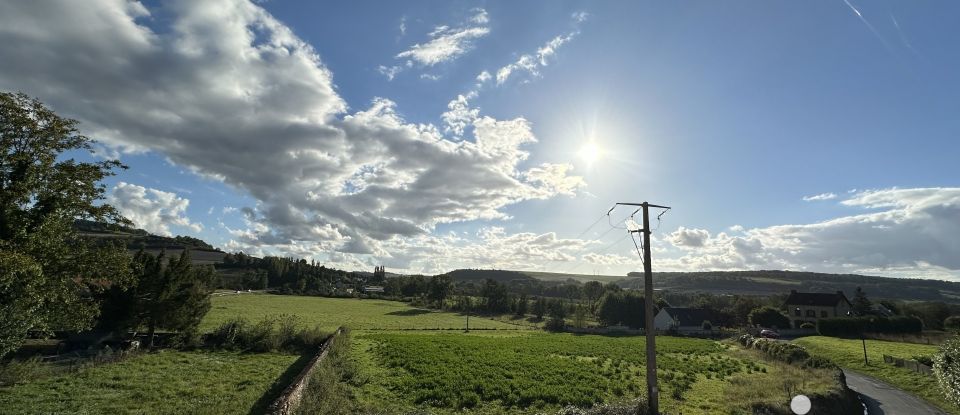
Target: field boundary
<point x="290" y="398"/>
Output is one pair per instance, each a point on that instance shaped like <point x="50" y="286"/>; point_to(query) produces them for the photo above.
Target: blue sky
<point x="790" y="135"/>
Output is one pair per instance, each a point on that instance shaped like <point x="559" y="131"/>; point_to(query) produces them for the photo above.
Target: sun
<point x="590" y="152"/>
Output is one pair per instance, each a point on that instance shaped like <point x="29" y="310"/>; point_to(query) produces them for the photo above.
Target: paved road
<point x="884" y="399"/>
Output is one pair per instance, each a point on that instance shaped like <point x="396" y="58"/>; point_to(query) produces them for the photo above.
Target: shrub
<point x="946" y="367"/>
<point x="808" y="325"/>
<point x="706" y="325"/>
<point x="852" y="326"/>
<point x="275" y="333"/>
<point x="952" y="323"/>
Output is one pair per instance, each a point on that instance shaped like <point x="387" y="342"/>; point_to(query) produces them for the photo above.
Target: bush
<point x="946" y="367"/>
<point x="808" y="325"/>
<point x="852" y="326"/>
<point x="277" y="333"/>
<point x="706" y="325"/>
<point x="952" y="323"/>
<point x="784" y="351"/>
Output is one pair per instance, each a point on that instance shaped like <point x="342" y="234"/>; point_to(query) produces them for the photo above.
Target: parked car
<point x="769" y="334"/>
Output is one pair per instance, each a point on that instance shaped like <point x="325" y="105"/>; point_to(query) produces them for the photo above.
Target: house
<point x="681" y="319"/>
<point x="811" y="307"/>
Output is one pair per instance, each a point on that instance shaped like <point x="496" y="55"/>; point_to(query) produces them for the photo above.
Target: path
<point x="883" y="399"/>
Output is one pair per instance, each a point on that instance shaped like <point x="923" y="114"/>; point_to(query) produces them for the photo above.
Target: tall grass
<point x="273" y="333"/>
<point x="327" y="390"/>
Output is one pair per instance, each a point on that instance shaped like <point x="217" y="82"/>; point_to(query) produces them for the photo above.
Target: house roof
<point x="816" y="299"/>
<point x="688" y="316"/>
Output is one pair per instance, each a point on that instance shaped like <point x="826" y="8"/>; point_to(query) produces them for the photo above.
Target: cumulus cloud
<point x="905" y="229"/>
<point x="151" y="209"/>
<point x="821" y="196"/>
<point x="448" y="43"/>
<point x="688" y="238"/>
<point x="230" y="93"/>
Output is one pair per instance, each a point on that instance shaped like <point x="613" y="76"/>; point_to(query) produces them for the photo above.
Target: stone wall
<point x="288" y="401"/>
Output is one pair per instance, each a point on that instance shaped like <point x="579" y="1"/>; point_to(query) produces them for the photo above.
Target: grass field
<point x="531" y="372"/>
<point x="330" y="313"/>
<point x="167" y="382"/>
<point x="849" y="354"/>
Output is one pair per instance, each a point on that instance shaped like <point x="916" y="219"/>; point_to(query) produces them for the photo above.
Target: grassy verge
<point x="849" y="354"/>
<point x="330" y="313"/>
<point x="166" y="382"/>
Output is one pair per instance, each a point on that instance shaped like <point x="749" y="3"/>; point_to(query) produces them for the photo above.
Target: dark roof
<point x="816" y="299"/>
<point x="688" y="316"/>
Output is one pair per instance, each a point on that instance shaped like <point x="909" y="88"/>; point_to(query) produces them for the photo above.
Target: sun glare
<point x="590" y="152"/>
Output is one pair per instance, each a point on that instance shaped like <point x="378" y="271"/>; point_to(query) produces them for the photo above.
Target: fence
<point x="911" y="365"/>
<point x="290" y="398"/>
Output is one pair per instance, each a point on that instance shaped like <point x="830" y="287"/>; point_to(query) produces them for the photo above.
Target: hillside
<point x="200" y="251"/>
<point x="747" y="282"/>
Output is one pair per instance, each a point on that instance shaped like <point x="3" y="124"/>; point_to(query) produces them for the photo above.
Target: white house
<point x="681" y="319"/>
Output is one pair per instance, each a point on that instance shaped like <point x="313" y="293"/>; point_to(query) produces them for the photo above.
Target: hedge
<point x="784" y="351"/>
<point x="946" y="367"/>
<point x="852" y="326"/>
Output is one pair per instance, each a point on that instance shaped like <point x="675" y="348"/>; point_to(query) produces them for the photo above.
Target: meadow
<point x="330" y="313"/>
<point x="848" y="353"/>
<point x="166" y="382"/>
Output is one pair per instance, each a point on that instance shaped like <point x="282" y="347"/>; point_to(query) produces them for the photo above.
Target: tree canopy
<point x="48" y="274"/>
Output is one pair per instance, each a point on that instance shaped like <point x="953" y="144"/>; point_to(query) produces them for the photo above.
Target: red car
<point x="769" y="334"/>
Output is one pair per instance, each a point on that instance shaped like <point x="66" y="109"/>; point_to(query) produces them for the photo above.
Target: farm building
<point x="811" y="307"/>
<point x="681" y="319"/>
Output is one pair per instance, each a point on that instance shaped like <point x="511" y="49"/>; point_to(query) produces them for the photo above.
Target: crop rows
<point x="457" y="371"/>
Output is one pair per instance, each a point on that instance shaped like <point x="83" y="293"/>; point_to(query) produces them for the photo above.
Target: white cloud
<point x="446" y="43"/>
<point x="151" y="209"/>
<point x="390" y="71"/>
<point x="531" y="63"/>
<point x="688" y="238"/>
<point x="914" y="229"/>
<point x="225" y="75"/>
<point x="819" y="197"/>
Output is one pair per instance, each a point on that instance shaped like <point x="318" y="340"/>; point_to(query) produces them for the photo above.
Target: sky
<point x="432" y="135"/>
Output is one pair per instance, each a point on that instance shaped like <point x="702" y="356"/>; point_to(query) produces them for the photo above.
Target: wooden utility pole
<point x="653" y="405"/>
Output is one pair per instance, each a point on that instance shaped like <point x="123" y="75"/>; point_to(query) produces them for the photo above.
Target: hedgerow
<point x="946" y="367"/>
<point x="785" y="351"/>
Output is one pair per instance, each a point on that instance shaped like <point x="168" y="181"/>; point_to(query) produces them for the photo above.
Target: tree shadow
<point x="410" y="312"/>
<point x="260" y="407"/>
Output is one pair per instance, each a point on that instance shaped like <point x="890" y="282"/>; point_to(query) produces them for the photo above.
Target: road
<point x="884" y="399"/>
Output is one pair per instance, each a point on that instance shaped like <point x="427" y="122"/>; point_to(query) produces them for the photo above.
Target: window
<point x="823" y="313"/>
<point x="811" y="313"/>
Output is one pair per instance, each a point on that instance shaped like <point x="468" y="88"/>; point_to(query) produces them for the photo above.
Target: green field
<point x="167" y="382"/>
<point x="532" y="372"/>
<point x="330" y="313"/>
<point x="849" y="354"/>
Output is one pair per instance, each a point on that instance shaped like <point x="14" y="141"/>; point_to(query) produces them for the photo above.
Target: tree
<point x="438" y="288"/>
<point x="48" y="272"/>
<point x="621" y="308"/>
<point x="497" y="300"/>
<point x="521" y="308"/>
<point x="580" y="316"/>
<point x="539" y="308"/>
<point x="946" y="367"/>
<point x="557" y="313"/>
<point x="952" y="323"/>
<point x="592" y="291"/>
<point x="861" y="305"/>
<point x="173" y="297"/>
<point x="768" y="317"/>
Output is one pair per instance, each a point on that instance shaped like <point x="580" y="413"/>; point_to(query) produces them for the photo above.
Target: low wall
<point x="290" y="397"/>
<point x="912" y="365"/>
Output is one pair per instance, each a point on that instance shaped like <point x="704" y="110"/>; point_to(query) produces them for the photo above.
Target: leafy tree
<point x="861" y="305"/>
<point x="496" y="298"/>
<point x="768" y="317"/>
<point x="621" y="308"/>
<point x="580" y="316"/>
<point x="438" y="288"/>
<point x="557" y="313"/>
<point x="592" y="291"/>
<point x="540" y="308"/>
<point x="706" y="325"/>
<point x="49" y="273"/>
<point x="521" y="308"/>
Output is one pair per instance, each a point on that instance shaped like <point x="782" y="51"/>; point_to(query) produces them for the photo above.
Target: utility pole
<point x="653" y="405"/>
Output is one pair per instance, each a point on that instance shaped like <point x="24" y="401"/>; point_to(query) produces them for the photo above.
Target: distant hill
<point x="745" y="282"/>
<point x="134" y="239"/>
